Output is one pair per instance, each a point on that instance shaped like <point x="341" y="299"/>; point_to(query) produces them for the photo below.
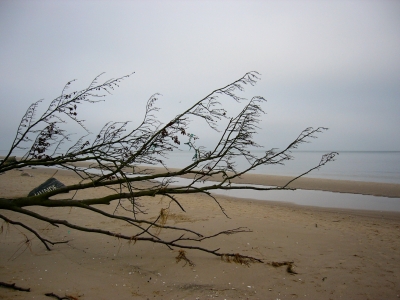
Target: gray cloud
<point x="323" y="63"/>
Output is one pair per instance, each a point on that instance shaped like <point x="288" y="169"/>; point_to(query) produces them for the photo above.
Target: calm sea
<point x="373" y="166"/>
<point x="380" y="166"/>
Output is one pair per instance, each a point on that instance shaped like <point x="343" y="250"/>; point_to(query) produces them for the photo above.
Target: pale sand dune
<point x="338" y="254"/>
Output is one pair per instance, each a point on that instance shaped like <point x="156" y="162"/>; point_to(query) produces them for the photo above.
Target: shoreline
<point x="379" y="189"/>
<point x="311" y="184"/>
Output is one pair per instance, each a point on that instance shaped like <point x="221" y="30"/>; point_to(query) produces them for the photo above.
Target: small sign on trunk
<point x="47" y="186"/>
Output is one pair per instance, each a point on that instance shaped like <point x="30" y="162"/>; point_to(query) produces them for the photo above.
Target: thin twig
<point x="14" y="287"/>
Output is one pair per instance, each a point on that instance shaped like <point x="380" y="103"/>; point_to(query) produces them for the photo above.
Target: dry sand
<point x="338" y="254"/>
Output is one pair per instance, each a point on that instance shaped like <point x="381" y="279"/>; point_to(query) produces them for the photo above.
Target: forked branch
<point x="114" y="158"/>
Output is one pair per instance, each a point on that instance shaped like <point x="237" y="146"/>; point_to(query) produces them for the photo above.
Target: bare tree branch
<point x="118" y="152"/>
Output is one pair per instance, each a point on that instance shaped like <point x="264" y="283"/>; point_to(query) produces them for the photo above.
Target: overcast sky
<point x="323" y="63"/>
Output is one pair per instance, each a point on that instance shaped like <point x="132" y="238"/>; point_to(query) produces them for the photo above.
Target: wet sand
<point x="318" y="184"/>
<point x="337" y="253"/>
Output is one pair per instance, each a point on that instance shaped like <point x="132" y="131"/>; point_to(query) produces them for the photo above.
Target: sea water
<point x="371" y="166"/>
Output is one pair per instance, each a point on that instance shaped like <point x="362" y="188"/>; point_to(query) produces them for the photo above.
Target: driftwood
<point x="66" y="297"/>
<point x="14" y="287"/>
<point x="289" y="264"/>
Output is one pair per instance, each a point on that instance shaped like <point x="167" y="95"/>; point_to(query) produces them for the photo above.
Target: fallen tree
<point x="117" y="151"/>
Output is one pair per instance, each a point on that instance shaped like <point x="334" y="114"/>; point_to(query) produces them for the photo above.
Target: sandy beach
<point x="336" y="253"/>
